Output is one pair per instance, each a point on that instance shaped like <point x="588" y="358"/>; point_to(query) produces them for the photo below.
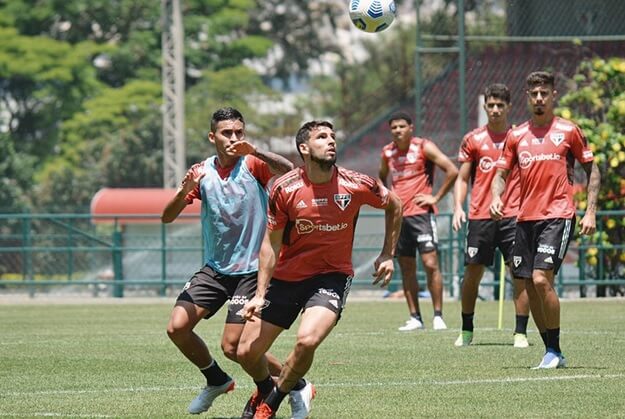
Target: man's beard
<point x="324" y="164"/>
<point x="539" y="111"/>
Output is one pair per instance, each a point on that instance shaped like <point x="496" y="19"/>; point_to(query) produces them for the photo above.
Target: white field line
<point x="322" y="385"/>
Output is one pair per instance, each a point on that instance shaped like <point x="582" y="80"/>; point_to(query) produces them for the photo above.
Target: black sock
<point x="301" y="383"/>
<point x="467" y="322"/>
<point x="543" y="336"/>
<point x="521" y="324"/>
<point x="265" y="386"/>
<point x="214" y="375"/>
<point x="275" y="398"/>
<point x="416" y="315"/>
<point x="438" y="313"/>
<point x="553" y="339"/>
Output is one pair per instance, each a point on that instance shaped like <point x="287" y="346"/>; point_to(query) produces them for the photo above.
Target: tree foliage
<point x="596" y="102"/>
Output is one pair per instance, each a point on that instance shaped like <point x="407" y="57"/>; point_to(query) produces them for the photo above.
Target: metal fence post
<point x="118" y="274"/>
<point x="163" y="289"/>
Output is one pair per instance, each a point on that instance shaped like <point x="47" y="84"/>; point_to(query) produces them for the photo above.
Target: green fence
<point x="130" y="255"/>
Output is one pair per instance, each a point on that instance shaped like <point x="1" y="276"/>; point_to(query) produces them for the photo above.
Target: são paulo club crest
<point x="342" y="200"/>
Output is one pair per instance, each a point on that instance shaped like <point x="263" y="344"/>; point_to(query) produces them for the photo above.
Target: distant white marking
<point x="346" y="385"/>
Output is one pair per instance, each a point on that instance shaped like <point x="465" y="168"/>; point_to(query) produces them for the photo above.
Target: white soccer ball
<point x="372" y="15"/>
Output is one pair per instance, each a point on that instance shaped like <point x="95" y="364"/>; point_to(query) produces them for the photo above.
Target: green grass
<point x="115" y="360"/>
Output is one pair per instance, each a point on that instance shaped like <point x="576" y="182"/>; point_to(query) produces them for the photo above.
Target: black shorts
<point x="483" y="236"/>
<point x="417" y="232"/>
<point x="541" y="244"/>
<point x="286" y="299"/>
<point x="210" y="289"/>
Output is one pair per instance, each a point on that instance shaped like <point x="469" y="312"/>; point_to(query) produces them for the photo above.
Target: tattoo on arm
<point x="277" y="164"/>
<point x="499" y="183"/>
<point x="594" y="183"/>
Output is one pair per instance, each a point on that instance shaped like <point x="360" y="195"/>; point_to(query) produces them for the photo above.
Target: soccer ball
<point x="372" y="15"/>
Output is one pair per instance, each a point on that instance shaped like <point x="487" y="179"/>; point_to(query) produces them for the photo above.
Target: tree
<point x="114" y="142"/>
<point x="42" y="81"/>
<point x="596" y="102"/>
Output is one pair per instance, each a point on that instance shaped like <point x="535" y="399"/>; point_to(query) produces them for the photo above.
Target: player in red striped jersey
<point x="545" y="149"/>
<point x="478" y="153"/>
<point x="305" y="260"/>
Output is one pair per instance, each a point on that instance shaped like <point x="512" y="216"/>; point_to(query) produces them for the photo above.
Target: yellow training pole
<point x="502" y="287"/>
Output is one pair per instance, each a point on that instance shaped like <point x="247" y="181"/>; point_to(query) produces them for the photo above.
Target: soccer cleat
<point x="412" y="324"/>
<point x="252" y="404"/>
<point x="264" y="412"/>
<point x="551" y="360"/>
<point x="438" y="323"/>
<point x="465" y="338"/>
<point x="208" y="395"/>
<point x="300" y="401"/>
<point x="520" y="341"/>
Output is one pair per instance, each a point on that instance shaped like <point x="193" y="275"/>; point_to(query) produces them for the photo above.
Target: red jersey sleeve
<point x="508" y="157"/>
<point x="374" y="192"/>
<point x="465" y="154"/>
<point x="259" y="169"/>
<point x="579" y="146"/>
<point x="277" y="215"/>
<point x="194" y="171"/>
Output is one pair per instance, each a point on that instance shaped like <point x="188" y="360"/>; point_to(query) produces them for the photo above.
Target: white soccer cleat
<point x="520" y="341"/>
<point x="412" y="324"/>
<point x="300" y="401"/>
<point x="464" y="339"/>
<point x="438" y="323"/>
<point x="208" y="395"/>
<point x="550" y="361"/>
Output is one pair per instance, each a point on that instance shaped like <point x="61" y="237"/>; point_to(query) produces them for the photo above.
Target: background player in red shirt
<point x="545" y="149"/>
<point x="410" y="161"/>
<point x="305" y="261"/>
<point x="478" y="154"/>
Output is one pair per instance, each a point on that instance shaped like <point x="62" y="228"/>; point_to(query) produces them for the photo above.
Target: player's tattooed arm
<point x="277" y="164"/>
<point x="588" y="221"/>
<point x="496" y="189"/>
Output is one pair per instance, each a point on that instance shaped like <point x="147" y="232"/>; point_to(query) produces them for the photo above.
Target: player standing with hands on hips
<point x="411" y="162"/>
<point x="545" y="149"/>
<point x="306" y="262"/>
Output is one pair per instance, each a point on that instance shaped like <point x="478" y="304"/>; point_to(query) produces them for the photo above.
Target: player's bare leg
<point x="230" y="342"/>
<point x="470" y="287"/>
<point x="542" y="281"/>
<point x="316" y="324"/>
<point x="435" y="286"/>
<point x="410" y="285"/>
<point x="522" y="310"/>
<point x="184" y="318"/>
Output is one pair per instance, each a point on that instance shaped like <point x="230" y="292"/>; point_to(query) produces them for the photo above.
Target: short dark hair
<point x="538" y="78"/>
<point x="303" y="134"/>
<point x="225" y="114"/>
<point x="497" y="91"/>
<point x="400" y="115"/>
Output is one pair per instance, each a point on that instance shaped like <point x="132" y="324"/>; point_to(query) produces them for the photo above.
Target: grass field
<point x="115" y="360"/>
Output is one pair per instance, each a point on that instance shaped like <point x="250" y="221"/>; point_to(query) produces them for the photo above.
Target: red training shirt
<point x="546" y="158"/>
<point x="411" y="174"/>
<point x="482" y="147"/>
<point x="319" y="220"/>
